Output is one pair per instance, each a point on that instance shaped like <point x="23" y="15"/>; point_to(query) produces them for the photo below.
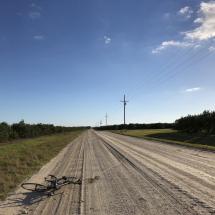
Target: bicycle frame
<point x="55" y="184"/>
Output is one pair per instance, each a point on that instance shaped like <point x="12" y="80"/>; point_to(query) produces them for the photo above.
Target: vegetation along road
<point x="123" y="175"/>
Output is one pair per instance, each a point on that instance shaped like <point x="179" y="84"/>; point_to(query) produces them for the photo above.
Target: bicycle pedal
<point x="49" y="194"/>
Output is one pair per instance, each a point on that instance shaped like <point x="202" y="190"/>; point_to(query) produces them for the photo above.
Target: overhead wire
<point x="175" y="74"/>
<point x="140" y="93"/>
<point x="116" y="108"/>
<point x="169" y="65"/>
<point x="176" y="67"/>
<point x="155" y="70"/>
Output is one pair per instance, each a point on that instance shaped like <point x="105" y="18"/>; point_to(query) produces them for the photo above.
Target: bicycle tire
<point x="34" y="187"/>
<point x="74" y="180"/>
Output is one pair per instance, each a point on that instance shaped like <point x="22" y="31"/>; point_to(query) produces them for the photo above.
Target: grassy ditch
<point x="21" y="160"/>
<point x="202" y="141"/>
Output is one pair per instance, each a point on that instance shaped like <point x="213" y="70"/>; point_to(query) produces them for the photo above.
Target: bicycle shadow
<point x="25" y="199"/>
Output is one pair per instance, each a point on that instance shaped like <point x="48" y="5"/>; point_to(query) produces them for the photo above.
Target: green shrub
<point x="204" y="122"/>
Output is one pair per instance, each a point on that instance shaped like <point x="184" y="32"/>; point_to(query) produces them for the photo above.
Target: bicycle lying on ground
<point x="53" y="184"/>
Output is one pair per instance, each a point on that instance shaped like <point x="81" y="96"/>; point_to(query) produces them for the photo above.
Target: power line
<point x="175" y="74"/>
<point x="169" y="66"/>
<point x="175" y="68"/>
<point x="167" y="78"/>
<point x="208" y="36"/>
<point x="154" y="70"/>
<point x="114" y="110"/>
<point x="117" y="106"/>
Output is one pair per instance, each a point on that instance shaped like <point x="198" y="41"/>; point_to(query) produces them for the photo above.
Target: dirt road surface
<point x="122" y="175"/>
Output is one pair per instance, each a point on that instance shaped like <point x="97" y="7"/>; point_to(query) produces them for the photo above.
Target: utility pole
<point x="106" y="119"/>
<point x="100" y="123"/>
<point x="124" y="109"/>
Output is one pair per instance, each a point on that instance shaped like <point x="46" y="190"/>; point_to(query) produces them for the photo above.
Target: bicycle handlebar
<point x="52" y="176"/>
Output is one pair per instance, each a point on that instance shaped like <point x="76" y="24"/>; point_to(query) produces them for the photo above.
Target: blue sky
<point x="70" y="62"/>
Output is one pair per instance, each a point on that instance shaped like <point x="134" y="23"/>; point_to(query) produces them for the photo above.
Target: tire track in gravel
<point x="203" y="190"/>
<point x="199" y="204"/>
<point x="70" y="164"/>
<point x="115" y="199"/>
<point x="122" y="178"/>
<point x="179" y="155"/>
<point x="91" y="194"/>
<point x="129" y="188"/>
<point x="192" y="177"/>
<point x="168" y="196"/>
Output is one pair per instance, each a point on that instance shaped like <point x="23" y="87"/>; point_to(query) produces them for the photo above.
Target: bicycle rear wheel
<point x="34" y="187"/>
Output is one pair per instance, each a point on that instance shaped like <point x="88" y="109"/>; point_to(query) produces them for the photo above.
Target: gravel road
<point x="122" y="175"/>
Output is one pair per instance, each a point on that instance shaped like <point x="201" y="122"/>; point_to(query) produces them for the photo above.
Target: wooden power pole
<point x="106" y="119"/>
<point x="124" y="109"/>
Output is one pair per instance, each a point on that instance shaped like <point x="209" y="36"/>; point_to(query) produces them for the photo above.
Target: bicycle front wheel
<point x="74" y="180"/>
<point x="34" y="187"/>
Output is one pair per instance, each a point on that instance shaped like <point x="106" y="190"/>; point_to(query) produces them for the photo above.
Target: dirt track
<point x="123" y="175"/>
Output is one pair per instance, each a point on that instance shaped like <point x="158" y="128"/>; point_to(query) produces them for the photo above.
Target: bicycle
<point x="53" y="184"/>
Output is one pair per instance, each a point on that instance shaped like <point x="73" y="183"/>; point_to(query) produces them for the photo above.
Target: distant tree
<point x="131" y="126"/>
<point x="4" y="131"/>
<point x="196" y="123"/>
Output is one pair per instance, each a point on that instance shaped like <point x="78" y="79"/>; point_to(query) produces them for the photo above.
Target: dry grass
<point x="19" y="161"/>
<point x="202" y="141"/>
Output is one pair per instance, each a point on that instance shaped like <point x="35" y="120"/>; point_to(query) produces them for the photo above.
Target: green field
<point x="202" y="141"/>
<point x="18" y="161"/>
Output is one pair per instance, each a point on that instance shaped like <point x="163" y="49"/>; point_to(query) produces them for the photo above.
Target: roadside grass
<point x="202" y="141"/>
<point x="21" y="160"/>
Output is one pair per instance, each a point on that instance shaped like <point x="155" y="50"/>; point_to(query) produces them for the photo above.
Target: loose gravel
<point x="122" y="175"/>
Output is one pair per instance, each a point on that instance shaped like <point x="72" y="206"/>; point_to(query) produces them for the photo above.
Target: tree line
<point x="24" y="130"/>
<point x="136" y="126"/>
<point x="201" y="123"/>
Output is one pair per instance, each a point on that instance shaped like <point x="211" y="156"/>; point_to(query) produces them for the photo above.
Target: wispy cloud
<point x="197" y="46"/>
<point x="185" y="12"/>
<point x="206" y="30"/>
<point x="20" y="14"/>
<point x="206" y="18"/>
<point x="34" y="15"/>
<point x="166" y="15"/>
<point x="192" y="89"/>
<point x="3" y="38"/>
<point x="38" y="37"/>
<point x="107" y="40"/>
<point x="34" y="5"/>
<point x="212" y="49"/>
<point x="166" y="44"/>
